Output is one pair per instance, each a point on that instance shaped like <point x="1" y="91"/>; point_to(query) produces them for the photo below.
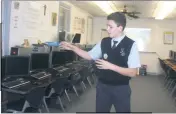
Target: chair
<point x="171" y="79"/>
<point x="75" y="80"/>
<point x="58" y="88"/>
<point x="33" y="99"/>
<point x="172" y="86"/>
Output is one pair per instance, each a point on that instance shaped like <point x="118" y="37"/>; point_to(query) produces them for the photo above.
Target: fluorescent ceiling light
<point x="107" y="6"/>
<point x="164" y="8"/>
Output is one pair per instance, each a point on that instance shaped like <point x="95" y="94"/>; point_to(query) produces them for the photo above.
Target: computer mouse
<point x="35" y="83"/>
<point x="20" y="79"/>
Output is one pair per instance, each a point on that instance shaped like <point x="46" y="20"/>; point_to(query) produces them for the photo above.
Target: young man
<point x="117" y="60"/>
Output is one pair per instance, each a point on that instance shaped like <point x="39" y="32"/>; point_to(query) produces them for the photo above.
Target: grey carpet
<point x="148" y="95"/>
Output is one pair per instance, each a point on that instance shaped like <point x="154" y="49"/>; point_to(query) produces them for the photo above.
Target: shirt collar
<point x="119" y="38"/>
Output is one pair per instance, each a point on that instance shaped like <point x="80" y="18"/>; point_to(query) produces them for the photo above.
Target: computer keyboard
<point x="16" y="83"/>
<point x="59" y="68"/>
<point x="64" y="72"/>
<point x="73" y="66"/>
<point x="68" y="64"/>
<point x="40" y="75"/>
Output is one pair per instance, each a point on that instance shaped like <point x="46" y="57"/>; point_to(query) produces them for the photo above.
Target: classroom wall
<point x="77" y="12"/>
<point x="30" y="22"/>
<point x="38" y="26"/>
<point x="156" y="43"/>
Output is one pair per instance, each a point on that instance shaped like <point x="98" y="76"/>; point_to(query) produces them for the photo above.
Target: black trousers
<point x="107" y="95"/>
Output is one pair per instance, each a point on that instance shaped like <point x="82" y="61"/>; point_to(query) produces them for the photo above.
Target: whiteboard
<point x="142" y="36"/>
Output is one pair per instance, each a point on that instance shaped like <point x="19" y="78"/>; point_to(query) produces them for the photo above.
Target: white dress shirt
<point x="133" y="58"/>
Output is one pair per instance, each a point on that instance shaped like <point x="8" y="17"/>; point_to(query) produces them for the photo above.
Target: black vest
<point x="117" y="56"/>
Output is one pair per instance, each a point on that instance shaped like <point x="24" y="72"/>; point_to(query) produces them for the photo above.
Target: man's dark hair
<point x="118" y="18"/>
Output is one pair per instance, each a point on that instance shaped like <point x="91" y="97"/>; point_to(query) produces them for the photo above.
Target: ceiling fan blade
<point x="132" y="13"/>
<point x="136" y="12"/>
<point x="133" y="16"/>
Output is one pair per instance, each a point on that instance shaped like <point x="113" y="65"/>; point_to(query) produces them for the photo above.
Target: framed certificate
<point x="168" y="37"/>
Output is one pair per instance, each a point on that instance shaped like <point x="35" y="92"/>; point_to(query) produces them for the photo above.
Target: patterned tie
<point x="114" y="45"/>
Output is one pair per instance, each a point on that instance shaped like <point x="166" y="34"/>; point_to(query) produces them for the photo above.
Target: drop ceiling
<point x="146" y="8"/>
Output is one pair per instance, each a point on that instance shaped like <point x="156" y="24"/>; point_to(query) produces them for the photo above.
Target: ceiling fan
<point x="132" y="14"/>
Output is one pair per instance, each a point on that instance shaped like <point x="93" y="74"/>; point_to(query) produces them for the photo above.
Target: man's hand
<point x="102" y="64"/>
<point x="77" y="50"/>
<point x="66" y="46"/>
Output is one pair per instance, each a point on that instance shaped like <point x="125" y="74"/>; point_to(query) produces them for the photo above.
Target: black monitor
<point x="62" y="36"/>
<point x="2" y="68"/>
<point x="70" y="56"/>
<point x="39" y="61"/>
<point x="76" y="38"/>
<point x="170" y="54"/>
<point x="17" y="65"/>
<point x="58" y="58"/>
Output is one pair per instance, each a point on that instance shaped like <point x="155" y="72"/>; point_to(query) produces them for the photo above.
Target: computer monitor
<point x="70" y="56"/>
<point x="17" y="65"/>
<point x="39" y="61"/>
<point x="2" y="68"/>
<point x="170" y="54"/>
<point x="174" y="56"/>
<point x="69" y="37"/>
<point x="58" y="58"/>
<point x="76" y="38"/>
<point x="62" y="36"/>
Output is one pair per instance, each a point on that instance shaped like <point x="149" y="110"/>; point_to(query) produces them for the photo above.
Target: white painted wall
<point x="156" y="42"/>
<point x="49" y="32"/>
<point x="44" y="32"/>
<point x="77" y="12"/>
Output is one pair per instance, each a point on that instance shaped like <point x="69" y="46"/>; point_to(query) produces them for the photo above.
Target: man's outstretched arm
<point x="78" y="51"/>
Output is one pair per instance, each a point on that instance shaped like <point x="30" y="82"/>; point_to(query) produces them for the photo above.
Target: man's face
<point x="113" y="29"/>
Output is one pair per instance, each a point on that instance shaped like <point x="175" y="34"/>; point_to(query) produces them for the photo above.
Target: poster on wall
<point x="16" y="5"/>
<point x="82" y="25"/>
<point x="32" y="14"/>
<point x="168" y="37"/>
<point x="15" y="17"/>
<point x="54" y="19"/>
<point x="79" y="25"/>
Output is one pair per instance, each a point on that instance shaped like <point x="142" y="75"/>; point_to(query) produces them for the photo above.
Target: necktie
<point x="114" y="45"/>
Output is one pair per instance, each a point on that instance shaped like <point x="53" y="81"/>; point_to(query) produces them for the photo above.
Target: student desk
<point x="170" y="64"/>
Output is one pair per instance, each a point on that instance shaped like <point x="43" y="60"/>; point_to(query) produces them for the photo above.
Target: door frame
<point x="6" y="16"/>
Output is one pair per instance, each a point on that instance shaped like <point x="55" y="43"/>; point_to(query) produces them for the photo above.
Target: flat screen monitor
<point x="2" y="68"/>
<point x="170" y="54"/>
<point x="17" y="65"/>
<point x="58" y="58"/>
<point x="39" y="61"/>
<point x="76" y="38"/>
<point x="62" y="36"/>
<point x="70" y="56"/>
<point x="174" y="56"/>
